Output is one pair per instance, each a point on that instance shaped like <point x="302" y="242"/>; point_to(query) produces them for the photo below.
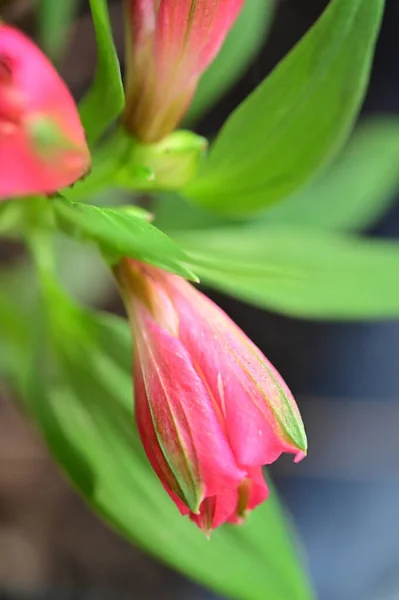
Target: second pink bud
<point x="169" y="45"/>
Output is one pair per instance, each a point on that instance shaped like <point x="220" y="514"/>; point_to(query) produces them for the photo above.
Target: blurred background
<point x="344" y="498"/>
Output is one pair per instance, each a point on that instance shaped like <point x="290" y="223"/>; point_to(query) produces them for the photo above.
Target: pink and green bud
<point x="42" y="142"/>
<point x="170" y="43"/>
<point x="210" y="408"/>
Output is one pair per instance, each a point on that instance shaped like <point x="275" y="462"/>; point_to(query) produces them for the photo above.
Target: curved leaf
<point x="299" y="272"/>
<point x="122" y="232"/>
<point x="105" y="99"/>
<point x="356" y="191"/>
<point x="298" y="118"/>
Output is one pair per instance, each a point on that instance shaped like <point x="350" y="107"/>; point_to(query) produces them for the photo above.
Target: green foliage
<point x="299" y="272"/>
<point x="297" y="119"/>
<point x="351" y="195"/>
<point x="121" y="232"/>
<point x="105" y="99"/>
<point x="55" y="19"/>
<point x="358" y="188"/>
<point x="241" y="46"/>
<point x="173" y="212"/>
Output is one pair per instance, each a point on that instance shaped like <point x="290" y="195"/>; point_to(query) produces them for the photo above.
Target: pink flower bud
<point x="170" y="43"/>
<point x="42" y="142"/>
<point x="210" y="408"/>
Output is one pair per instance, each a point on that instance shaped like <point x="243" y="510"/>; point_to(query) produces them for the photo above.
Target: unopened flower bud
<point x="170" y="43"/>
<point x="210" y="408"/>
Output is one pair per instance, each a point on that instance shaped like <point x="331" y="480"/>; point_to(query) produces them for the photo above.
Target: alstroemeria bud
<point x="42" y="142"/>
<point x="210" y="408"/>
<point x="170" y="43"/>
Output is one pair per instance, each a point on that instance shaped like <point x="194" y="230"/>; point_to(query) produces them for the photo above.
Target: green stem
<point x="40" y="241"/>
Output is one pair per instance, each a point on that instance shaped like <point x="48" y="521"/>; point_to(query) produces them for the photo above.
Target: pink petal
<point x="177" y="419"/>
<point x="215" y="510"/>
<point x="32" y="91"/>
<point x="253" y="397"/>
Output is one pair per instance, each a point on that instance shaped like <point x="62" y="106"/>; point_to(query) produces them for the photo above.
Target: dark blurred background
<point x="344" y="498"/>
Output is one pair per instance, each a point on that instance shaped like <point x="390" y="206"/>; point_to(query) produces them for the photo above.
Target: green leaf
<point x="298" y="118"/>
<point x="105" y="99"/>
<point x="352" y="194"/>
<point x="12" y="216"/>
<point x="86" y="416"/>
<point x="172" y="212"/>
<point x="356" y="191"/>
<point x="82" y="271"/>
<point x="55" y="19"/>
<point x="299" y="272"/>
<point x="14" y="335"/>
<point x="240" y="48"/>
<point x="122" y="233"/>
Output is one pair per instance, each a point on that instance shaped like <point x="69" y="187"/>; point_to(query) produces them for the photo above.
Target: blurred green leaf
<point x="14" y="337"/>
<point x="352" y="194"/>
<point x="86" y="417"/>
<point x="55" y="19"/>
<point x="172" y="212"/>
<point x="105" y="99"/>
<point x="123" y="233"/>
<point x="299" y="272"/>
<point x="83" y="272"/>
<point x="240" y="48"/>
<point x="297" y="119"/>
<point x="356" y="191"/>
<point x="12" y="216"/>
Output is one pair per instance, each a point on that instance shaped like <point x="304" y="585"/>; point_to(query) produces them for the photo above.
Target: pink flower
<point x="170" y="44"/>
<point x="42" y="142"/>
<point x="210" y="408"/>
